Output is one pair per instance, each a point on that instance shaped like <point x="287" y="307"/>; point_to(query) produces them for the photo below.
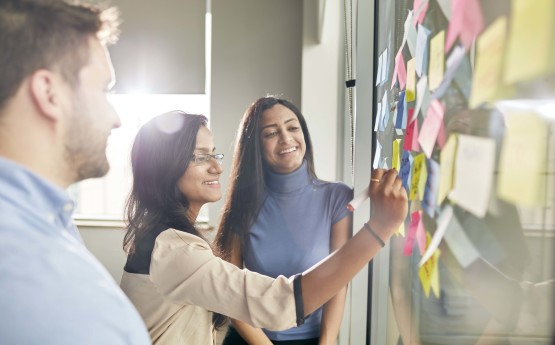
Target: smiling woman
<point x="101" y="201"/>
<point x="275" y="203"/>
<point x="172" y="275"/>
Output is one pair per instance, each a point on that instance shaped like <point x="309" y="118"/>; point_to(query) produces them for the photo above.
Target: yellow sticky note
<point x="410" y="94"/>
<point x="419" y="162"/>
<point x="447" y="159"/>
<point x="531" y="39"/>
<point x="395" y="161"/>
<point x="522" y="165"/>
<point x="422" y="182"/>
<point x="429" y="272"/>
<point x="489" y="61"/>
<point x="437" y="59"/>
<point x="401" y="230"/>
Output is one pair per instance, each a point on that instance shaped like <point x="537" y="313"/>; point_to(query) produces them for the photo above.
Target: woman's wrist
<point x="377" y="237"/>
<point x="382" y="232"/>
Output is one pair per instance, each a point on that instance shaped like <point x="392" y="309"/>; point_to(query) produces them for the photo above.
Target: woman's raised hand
<point x="389" y="202"/>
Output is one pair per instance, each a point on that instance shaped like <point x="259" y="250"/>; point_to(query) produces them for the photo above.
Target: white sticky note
<point x="460" y="245"/>
<point x="422" y="44"/>
<point x="442" y="223"/>
<point x="474" y="166"/>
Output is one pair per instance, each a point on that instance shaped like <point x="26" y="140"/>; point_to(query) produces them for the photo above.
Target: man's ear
<point x="46" y="90"/>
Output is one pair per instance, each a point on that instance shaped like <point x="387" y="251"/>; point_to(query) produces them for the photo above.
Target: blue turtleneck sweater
<point x="292" y="232"/>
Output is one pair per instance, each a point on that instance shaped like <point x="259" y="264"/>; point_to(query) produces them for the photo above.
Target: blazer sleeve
<point x="185" y="271"/>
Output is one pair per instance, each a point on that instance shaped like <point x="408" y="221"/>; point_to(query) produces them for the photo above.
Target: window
<point x="101" y="201"/>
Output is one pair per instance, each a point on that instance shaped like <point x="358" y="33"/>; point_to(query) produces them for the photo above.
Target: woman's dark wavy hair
<point x="245" y="193"/>
<point x="160" y="155"/>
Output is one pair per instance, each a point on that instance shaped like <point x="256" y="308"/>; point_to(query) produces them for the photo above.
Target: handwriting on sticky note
<point x="419" y="162"/>
<point x="429" y="273"/>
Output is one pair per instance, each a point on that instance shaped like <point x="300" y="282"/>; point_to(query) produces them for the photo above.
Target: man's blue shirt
<point x="52" y="289"/>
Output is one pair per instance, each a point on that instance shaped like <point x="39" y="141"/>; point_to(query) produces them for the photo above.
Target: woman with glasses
<point x="290" y="210"/>
<point x="172" y="275"/>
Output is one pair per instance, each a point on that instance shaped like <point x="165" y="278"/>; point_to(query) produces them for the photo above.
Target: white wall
<point x="322" y="83"/>
<point x="257" y="49"/>
<point x="106" y="245"/>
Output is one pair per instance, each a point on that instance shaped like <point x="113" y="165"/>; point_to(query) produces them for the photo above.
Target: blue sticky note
<point x="377" y="155"/>
<point x="406" y="169"/>
<point x="429" y="203"/>
<point x="400" y="119"/>
<point x="463" y="77"/>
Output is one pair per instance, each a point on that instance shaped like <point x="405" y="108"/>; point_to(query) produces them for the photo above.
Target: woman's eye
<point x="294" y="129"/>
<point x="270" y="134"/>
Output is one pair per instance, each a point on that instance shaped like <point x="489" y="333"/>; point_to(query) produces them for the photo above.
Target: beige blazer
<point x="187" y="283"/>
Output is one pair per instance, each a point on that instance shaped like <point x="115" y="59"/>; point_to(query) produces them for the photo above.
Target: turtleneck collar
<point x="287" y="183"/>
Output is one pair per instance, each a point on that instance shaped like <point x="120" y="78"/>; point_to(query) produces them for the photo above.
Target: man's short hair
<point x="49" y="34"/>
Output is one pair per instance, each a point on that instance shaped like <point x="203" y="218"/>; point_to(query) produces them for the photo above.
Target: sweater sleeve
<point x="341" y="194"/>
<point x="185" y="271"/>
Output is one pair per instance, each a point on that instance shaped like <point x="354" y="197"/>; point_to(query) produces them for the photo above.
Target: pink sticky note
<point x="456" y="23"/>
<point x="441" y="136"/>
<point x="409" y="242"/>
<point x="473" y="23"/>
<point x="411" y="134"/>
<point x="431" y="127"/>
<point x="466" y="21"/>
<point x="419" y="9"/>
<point x="400" y="71"/>
<point x="421" y="235"/>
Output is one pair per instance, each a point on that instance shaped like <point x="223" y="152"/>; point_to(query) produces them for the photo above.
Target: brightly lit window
<point x="103" y="199"/>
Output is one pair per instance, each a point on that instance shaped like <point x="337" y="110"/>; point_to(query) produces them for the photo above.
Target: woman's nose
<point x="215" y="166"/>
<point x="285" y="137"/>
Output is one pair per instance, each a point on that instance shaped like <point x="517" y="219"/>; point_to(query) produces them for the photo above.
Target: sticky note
<point x="466" y="23"/>
<point x="442" y="222"/>
<point x="459" y="244"/>
<point x="429" y="274"/>
<point x="419" y="9"/>
<point x="431" y="127"/>
<point x="422" y="45"/>
<point x="400" y="118"/>
<point x="406" y="168"/>
<point x="489" y="63"/>
<point x="531" y="36"/>
<point x="411" y="236"/>
<point x="522" y="165"/>
<point x="419" y="162"/>
<point x="447" y="162"/>
<point x="377" y="155"/>
<point x="437" y="59"/>
<point x="474" y="164"/>
<point x="395" y="160"/>
<point x="399" y="72"/>
<point x="429" y="202"/>
<point x="411" y="135"/>
<point x="451" y="67"/>
<point x="411" y="81"/>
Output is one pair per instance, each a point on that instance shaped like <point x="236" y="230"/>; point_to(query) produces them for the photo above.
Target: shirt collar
<point x="286" y="183"/>
<point x="32" y="193"/>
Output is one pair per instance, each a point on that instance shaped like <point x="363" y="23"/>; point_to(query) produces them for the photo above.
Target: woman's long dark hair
<point x="160" y="155"/>
<point x="246" y="188"/>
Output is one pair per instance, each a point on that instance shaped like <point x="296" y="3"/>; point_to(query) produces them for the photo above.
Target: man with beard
<point x="55" y="120"/>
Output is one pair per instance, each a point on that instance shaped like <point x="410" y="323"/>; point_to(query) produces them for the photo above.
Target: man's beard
<point x="85" y="148"/>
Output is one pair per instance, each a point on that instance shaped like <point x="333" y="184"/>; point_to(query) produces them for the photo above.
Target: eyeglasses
<point x="203" y="158"/>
